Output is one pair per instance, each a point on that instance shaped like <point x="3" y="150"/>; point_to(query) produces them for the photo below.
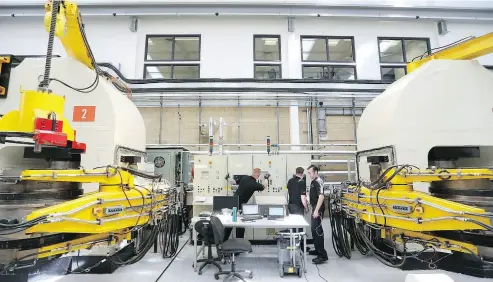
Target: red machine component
<point x="49" y="132"/>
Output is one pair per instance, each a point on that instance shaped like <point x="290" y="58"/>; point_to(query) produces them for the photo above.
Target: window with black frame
<point x="267" y="56"/>
<point x="172" y="57"/>
<point x="328" y="57"/>
<point x="396" y="53"/>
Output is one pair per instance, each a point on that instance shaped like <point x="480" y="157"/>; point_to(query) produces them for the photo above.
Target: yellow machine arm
<point x="119" y="203"/>
<point x="405" y="212"/>
<point x="70" y="31"/>
<point x="467" y="50"/>
<point x="105" y="217"/>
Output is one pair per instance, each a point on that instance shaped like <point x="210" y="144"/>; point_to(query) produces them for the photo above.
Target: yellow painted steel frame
<point x="36" y="104"/>
<point x="3" y="60"/>
<point x="398" y="235"/>
<point x="85" y="242"/>
<point x="400" y="207"/>
<point x="467" y="50"/>
<point x="70" y="31"/>
<point x="119" y="204"/>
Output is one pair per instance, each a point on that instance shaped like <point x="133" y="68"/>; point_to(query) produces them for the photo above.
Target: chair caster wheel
<point x="216" y="277"/>
<point x="200" y="272"/>
<point x="250" y="276"/>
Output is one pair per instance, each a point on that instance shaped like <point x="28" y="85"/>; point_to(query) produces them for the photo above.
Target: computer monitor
<point x="225" y="202"/>
<point x="276" y="212"/>
<point x="250" y="209"/>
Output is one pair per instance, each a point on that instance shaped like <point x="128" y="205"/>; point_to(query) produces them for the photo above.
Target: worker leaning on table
<point x="248" y="185"/>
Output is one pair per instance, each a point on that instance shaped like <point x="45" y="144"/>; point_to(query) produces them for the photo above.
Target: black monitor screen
<point x="225" y="202"/>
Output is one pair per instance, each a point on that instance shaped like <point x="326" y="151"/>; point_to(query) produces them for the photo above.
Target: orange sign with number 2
<point x="84" y="114"/>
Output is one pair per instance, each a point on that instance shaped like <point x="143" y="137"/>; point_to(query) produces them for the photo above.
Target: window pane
<point x="391" y="51"/>
<point x="314" y="49"/>
<point x="187" y="49"/>
<point x="159" y="48"/>
<point x="185" y="71"/>
<point x="268" y="72"/>
<point x="389" y="73"/>
<point x="313" y="72"/>
<point x="341" y="50"/>
<point x="267" y="49"/>
<point x="342" y="73"/>
<point x="329" y="72"/>
<point x="158" y="72"/>
<point x="415" y="49"/>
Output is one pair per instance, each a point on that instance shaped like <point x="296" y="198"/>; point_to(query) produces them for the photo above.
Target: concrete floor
<point x="262" y="262"/>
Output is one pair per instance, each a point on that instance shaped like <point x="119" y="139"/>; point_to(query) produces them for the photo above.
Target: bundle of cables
<point x="169" y="239"/>
<point x="343" y="226"/>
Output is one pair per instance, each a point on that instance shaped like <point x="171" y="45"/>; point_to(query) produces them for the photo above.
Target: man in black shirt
<point x="297" y="202"/>
<point x="248" y="185"/>
<point x="318" y="207"/>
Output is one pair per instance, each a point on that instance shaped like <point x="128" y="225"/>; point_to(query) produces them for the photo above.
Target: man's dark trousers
<point x="318" y="235"/>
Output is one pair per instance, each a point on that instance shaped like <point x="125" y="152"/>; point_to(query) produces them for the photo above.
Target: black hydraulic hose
<point x="340" y="240"/>
<point x="170" y="237"/>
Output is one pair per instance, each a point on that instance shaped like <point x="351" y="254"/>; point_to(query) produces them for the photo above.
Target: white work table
<point x="288" y="222"/>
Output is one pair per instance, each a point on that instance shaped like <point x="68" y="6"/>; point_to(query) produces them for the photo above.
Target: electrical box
<point x="275" y="165"/>
<point x="210" y="175"/>
<point x="172" y="163"/>
<point x="238" y="166"/>
<point x="298" y="160"/>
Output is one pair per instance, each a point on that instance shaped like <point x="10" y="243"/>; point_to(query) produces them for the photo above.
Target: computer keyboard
<point x="251" y="217"/>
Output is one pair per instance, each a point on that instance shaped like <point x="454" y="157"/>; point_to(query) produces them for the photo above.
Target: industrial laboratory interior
<point x="236" y="140"/>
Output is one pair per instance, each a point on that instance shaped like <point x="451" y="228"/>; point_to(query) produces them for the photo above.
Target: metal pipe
<point x="336" y="172"/>
<point x="253" y="145"/>
<point x="211" y="127"/>
<point x="294" y="126"/>
<point x="314" y="152"/>
<point x="179" y="124"/>
<point x="200" y="120"/>
<point x="278" y="124"/>
<point x="238" y="127"/>
<point x="322" y="162"/>
<point x="161" y="109"/>
<point x="354" y="120"/>
<point x="221" y="141"/>
<point x="278" y="14"/>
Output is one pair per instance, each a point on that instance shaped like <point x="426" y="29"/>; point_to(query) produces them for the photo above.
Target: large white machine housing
<point x="443" y="103"/>
<point x="118" y="128"/>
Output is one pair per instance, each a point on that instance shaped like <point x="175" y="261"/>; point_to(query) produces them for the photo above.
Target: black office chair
<point x="230" y="248"/>
<point x="206" y="234"/>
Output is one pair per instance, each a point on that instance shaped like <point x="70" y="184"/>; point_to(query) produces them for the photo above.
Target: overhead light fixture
<point x="270" y="41"/>
<point x="387" y="44"/>
<point x="333" y="42"/>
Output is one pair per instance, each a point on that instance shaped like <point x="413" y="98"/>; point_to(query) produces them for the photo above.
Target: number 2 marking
<point x="84" y="113"/>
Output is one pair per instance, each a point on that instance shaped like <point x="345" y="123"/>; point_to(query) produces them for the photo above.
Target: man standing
<point x="318" y="207"/>
<point x="248" y="185"/>
<point x="297" y="203"/>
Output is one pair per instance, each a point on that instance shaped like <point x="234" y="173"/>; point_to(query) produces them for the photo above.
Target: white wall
<point x="227" y="42"/>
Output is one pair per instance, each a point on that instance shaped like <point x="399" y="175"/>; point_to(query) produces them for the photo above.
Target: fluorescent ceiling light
<point x="270" y="41"/>
<point x="333" y="42"/>
<point x="387" y="44"/>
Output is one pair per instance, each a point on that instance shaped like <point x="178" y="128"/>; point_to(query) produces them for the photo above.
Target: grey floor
<point x="262" y="261"/>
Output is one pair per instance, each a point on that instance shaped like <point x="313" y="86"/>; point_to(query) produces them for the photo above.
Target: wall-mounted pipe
<point x="324" y="162"/>
<point x="161" y="109"/>
<point x="226" y="152"/>
<point x="221" y="136"/>
<point x="252" y="145"/>
<point x="321" y="123"/>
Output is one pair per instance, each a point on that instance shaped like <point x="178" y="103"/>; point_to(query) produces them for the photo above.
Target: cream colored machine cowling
<point x="439" y="115"/>
<point x="108" y="122"/>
